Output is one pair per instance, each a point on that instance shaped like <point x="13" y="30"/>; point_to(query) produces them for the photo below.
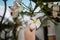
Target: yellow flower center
<point x="34" y="22"/>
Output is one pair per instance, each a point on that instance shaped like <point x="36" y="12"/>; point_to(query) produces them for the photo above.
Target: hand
<point x="29" y="35"/>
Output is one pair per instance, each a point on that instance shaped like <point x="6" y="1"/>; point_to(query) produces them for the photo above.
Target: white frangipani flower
<point x="34" y="23"/>
<point x="39" y="15"/>
<point x="26" y="18"/>
<point x="50" y="5"/>
<point x="55" y="8"/>
<point x="15" y="10"/>
<point x="55" y="14"/>
<point x="19" y="9"/>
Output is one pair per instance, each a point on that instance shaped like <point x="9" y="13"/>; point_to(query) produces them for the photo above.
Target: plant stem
<point x="4" y="11"/>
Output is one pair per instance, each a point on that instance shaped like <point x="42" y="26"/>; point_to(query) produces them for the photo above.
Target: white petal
<point x="32" y="26"/>
<point x="34" y="18"/>
<point x="15" y="4"/>
<point x="49" y="5"/>
<point x="26" y="18"/>
<point x="30" y="22"/>
<point x="38" y="23"/>
<point x="19" y="9"/>
<point x="15" y="15"/>
<point x="56" y="8"/>
<point x="39" y="15"/>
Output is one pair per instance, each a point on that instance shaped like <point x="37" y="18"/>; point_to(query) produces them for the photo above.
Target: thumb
<point x="34" y="30"/>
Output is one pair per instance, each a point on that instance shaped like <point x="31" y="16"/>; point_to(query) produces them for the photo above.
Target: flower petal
<point x="38" y="23"/>
<point x="30" y="22"/>
<point x="32" y="26"/>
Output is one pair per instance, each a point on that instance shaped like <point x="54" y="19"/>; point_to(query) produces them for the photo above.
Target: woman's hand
<point x="29" y="35"/>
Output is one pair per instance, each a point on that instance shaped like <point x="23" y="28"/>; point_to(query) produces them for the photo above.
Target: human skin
<point x="28" y="34"/>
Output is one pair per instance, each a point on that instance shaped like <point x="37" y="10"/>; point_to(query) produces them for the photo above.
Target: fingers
<point x="27" y="29"/>
<point x="34" y="30"/>
<point x="30" y="30"/>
